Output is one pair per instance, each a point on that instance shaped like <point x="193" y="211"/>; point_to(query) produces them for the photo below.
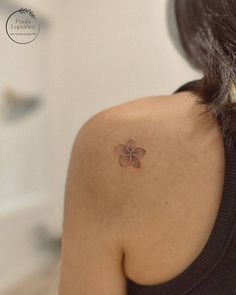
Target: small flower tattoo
<point x="129" y="154"/>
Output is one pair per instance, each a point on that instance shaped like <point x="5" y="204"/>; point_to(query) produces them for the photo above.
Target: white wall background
<point x="24" y="175"/>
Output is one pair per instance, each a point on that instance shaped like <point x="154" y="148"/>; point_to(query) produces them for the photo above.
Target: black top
<point x="213" y="272"/>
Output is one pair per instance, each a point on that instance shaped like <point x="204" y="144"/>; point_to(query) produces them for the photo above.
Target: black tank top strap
<point x="187" y="86"/>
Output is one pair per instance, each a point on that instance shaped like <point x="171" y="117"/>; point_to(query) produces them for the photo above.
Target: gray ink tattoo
<point x="129" y="154"/>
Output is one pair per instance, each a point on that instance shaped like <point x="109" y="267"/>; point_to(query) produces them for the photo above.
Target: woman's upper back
<point x="159" y="214"/>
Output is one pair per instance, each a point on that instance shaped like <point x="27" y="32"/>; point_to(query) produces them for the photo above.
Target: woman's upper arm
<point x="92" y="256"/>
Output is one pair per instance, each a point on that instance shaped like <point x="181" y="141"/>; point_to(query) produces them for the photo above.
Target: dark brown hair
<point x="207" y="30"/>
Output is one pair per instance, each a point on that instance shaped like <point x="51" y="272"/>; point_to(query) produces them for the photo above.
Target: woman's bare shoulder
<point x="147" y="120"/>
<point x="126" y="159"/>
<point x="143" y="109"/>
<point x="120" y="149"/>
<point x="160" y="125"/>
<point x="149" y="105"/>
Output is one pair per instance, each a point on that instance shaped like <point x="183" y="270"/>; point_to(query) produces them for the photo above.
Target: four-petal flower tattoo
<point x="129" y="154"/>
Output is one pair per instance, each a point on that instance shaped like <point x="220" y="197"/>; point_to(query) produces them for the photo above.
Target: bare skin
<point x="149" y="220"/>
